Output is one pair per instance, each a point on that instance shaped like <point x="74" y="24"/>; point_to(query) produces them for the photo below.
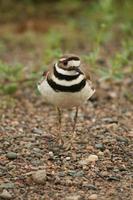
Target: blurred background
<point x="33" y="33"/>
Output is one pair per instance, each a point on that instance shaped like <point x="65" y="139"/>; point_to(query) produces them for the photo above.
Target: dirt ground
<point x="28" y="129"/>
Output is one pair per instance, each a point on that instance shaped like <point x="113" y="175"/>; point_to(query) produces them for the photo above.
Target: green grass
<point x="14" y="77"/>
<point x="9" y="77"/>
<point x="99" y="30"/>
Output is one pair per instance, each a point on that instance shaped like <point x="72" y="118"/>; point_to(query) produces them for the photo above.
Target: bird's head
<point x="69" y="62"/>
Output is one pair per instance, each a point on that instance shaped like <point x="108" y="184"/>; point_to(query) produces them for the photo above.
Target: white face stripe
<point x="62" y="59"/>
<point x="75" y="63"/>
<point x="65" y="72"/>
<point x="68" y="83"/>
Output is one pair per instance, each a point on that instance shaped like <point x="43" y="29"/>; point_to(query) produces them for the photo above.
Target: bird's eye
<point x="65" y="62"/>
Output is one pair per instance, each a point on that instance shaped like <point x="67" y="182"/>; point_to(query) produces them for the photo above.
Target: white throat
<point x="65" y="72"/>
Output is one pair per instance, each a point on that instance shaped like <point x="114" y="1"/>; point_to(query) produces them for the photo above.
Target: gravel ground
<point x="34" y="167"/>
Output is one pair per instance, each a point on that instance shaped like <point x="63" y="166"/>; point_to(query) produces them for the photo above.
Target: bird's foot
<point x="69" y="145"/>
<point x="60" y="141"/>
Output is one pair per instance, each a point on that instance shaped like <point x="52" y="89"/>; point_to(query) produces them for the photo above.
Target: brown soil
<point x="104" y="128"/>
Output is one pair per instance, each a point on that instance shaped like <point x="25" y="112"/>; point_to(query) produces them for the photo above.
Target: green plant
<point x="52" y="46"/>
<point x="9" y="77"/>
<point x="115" y="70"/>
<point x="92" y="57"/>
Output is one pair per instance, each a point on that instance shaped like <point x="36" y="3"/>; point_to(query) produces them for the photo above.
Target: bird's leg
<point x="71" y="144"/>
<point x="75" y="119"/>
<point x="74" y="126"/>
<point x="59" y="126"/>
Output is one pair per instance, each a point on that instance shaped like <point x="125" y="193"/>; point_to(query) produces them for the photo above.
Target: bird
<point x="66" y="85"/>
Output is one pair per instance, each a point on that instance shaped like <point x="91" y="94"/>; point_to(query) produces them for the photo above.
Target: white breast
<point x="68" y="83"/>
<point x="65" y="99"/>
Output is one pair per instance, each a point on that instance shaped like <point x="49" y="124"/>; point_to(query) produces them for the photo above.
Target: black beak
<point x="77" y="69"/>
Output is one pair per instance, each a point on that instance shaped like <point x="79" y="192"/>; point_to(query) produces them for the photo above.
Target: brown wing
<point x="85" y="69"/>
<point x="49" y="70"/>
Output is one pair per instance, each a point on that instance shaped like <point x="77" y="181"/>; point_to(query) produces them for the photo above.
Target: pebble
<point x="68" y="158"/>
<point x="107" y="153"/>
<point x="51" y="154"/>
<point x="36" y="149"/>
<point x="100" y="146"/>
<point x="68" y="182"/>
<point x="57" y="180"/>
<point x="91" y="158"/>
<point x="11" y="155"/>
<point x="122" y="139"/>
<point x="100" y="153"/>
<point x="61" y="174"/>
<point x="104" y="173"/>
<point x="39" y="176"/>
<point x="73" y="197"/>
<point x="1" y="174"/>
<point x="75" y="173"/>
<point x="113" y="178"/>
<point x="110" y="120"/>
<point x="6" y="143"/>
<point x="89" y="186"/>
<point x="7" y="185"/>
<point x="93" y="197"/>
<point x="112" y="94"/>
<point x="5" y="195"/>
<point x="37" y="131"/>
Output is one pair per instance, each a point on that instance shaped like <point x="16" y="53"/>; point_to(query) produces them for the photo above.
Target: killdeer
<point x="65" y="85"/>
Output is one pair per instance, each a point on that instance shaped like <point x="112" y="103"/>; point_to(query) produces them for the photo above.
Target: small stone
<point x="90" y="148"/>
<point x="121" y="139"/>
<point x="112" y="94"/>
<point x="100" y="153"/>
<point x="73" y="197"/>
<point x="104" y="173"/>
<point x="6" y="143"/>
<point x="116" y="170"/>
<point x="29" y="145"/>
<point x="11" y="155"/>
<point x="39" y="176"/>
<point x="113" y="178"/>
<point x="5" y="195"/>
<point x="107" y="153"/>
<point x="36" y="149"/>
<point x="51" y="154"/>
<point x="37" y="131"/>
<point x="68" y="158"/>
<point x="1" y="174"/>
<point x="61" y="174"/>
<point x="76" y="173"/>
<point x="93" y="197"/>
<point x="89" y="186"/>
<point x="68" y="182"/>
<point x="110" y="120"/>
<point x="91" y="158"/>
<point x="83" y="162"/>
<point x="7" y="186"/>
<point x="123" y="168"/>
<point x="100" y="146"/>
<point x="57" y="180"/>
